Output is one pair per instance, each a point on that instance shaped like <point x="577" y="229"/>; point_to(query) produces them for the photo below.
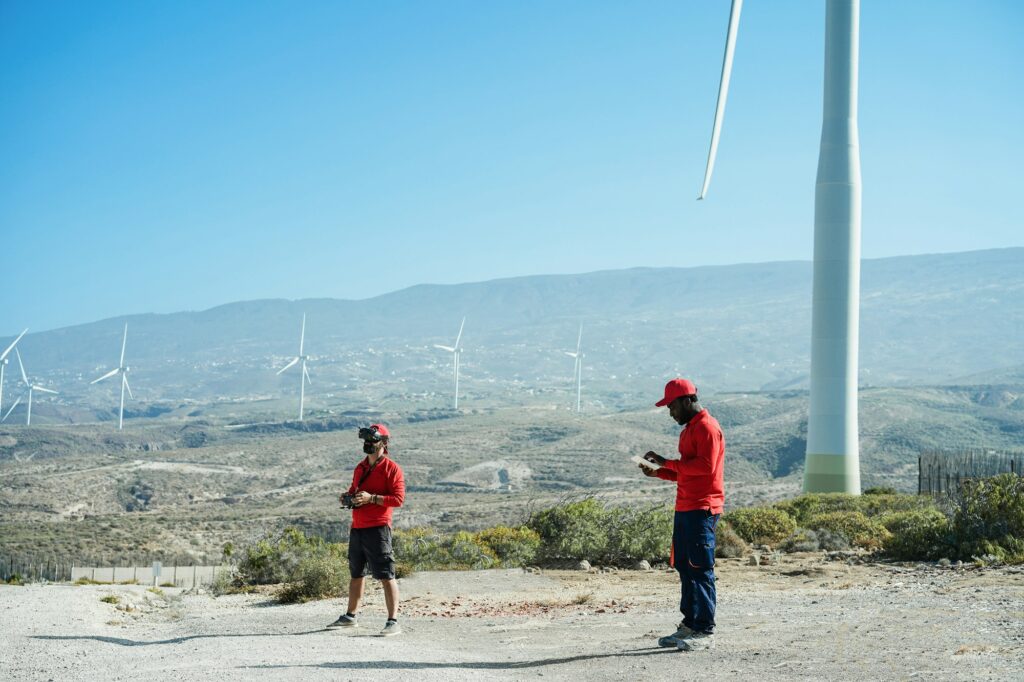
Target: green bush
<point x="635" y="534"/>
<point x="513" y="547"/>
<point x="880" y="490"/>
<point x="577" y="530"/>
<point x="425" y="549"/>
<point x="989" y="519"/>
<point x="761" y="525"/>
<point x="618" y="536"/>
<point x="879" y="501"/>
<point x="467" y="551"/>
<point x="921" y="535"/>
<point x="882" y="504"/>
<point x="274" y="559"/>
<point x="307" y="567"/>
<point x="855" y="526"/>
<point x="421" y="548"/>
<point x="728" y="543"/>
<point x="322" y="575"/>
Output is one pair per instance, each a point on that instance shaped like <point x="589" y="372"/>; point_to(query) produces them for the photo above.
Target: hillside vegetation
<point x="182" y="487"/>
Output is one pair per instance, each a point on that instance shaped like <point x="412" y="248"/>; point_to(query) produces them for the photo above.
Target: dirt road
<point x="804" y="618"/>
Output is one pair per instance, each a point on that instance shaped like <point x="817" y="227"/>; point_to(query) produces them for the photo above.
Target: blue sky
<point x="164" y="156"/>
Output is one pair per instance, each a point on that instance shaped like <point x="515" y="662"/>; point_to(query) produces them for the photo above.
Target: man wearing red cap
<point x="700" y="497"/>
<point x="378" y="486"/>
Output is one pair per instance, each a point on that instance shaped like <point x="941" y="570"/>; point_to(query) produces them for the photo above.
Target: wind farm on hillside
<point x="803" y="437"/>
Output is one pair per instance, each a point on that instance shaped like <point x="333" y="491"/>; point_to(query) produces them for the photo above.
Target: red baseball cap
<point x="381" y="429"/>
<point x="676" y="388"/>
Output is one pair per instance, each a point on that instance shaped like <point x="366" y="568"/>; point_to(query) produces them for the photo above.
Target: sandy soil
<point x="804" y="618"/>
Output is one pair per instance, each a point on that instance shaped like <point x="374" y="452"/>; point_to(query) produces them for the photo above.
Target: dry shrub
<point x="728" y="543"/>
<point x="761" y="525"/>
<point x="855" y="526"/>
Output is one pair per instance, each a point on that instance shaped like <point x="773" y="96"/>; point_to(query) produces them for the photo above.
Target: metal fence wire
<point x="37" y="568"/>
<point x="942" y="472"/>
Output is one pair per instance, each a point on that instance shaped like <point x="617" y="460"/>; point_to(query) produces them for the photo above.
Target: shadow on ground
<point x="464" y="665"/>
<point x="177" y="640"/>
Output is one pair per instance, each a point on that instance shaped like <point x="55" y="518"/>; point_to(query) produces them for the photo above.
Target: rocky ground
<point x="802" y="617"/>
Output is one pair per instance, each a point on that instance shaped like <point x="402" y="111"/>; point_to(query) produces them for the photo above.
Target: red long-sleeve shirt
<point x="699" y="473"/>
<point x="385" y="480"/>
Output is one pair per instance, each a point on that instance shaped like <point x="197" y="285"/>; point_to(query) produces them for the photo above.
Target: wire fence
<point x="942" y="473"/>
<point x="30" y="568"/>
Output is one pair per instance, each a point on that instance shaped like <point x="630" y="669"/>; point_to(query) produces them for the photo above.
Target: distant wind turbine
<point x="11" y="409"/>
<point x="456" y="352"/>
<point x="3" y="364"/>
<point x="31" y="387"/>
<point x="304" y="377"/>
<point x="121" y="369"/>
<point x="577" y="370"/>
<point x="832" y="461"/>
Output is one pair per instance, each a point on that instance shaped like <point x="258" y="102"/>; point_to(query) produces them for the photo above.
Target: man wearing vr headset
<point x="700" y="497"/>
<point x="378" y="486"/>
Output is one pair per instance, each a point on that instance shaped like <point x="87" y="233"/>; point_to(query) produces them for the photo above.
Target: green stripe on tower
<point x="830" y="474"/>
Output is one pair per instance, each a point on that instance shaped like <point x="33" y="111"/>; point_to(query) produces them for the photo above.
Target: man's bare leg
<point x="390" y="597"/>
<point x="355" y="594"/>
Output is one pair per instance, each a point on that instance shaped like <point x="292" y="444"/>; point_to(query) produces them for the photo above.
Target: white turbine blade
<point x="13" y="344"/>
<point x="302" y="336"/>
<point x="305" y="373"/>
<point x="294" y="360"/>
<point x="106" y="376"/>
<point x="22" y="366"/>
<point x="124" y="342"/>
<point x="11" y="410"/>
<point x="579" y="340"/>
<point x="447" y="348"/>
<point x="459" y="337"/>
<point x="723" y="92"/>
<point x="44" y="390"/>
<point x="127" y="385"/>
<point x="571" y="355"/>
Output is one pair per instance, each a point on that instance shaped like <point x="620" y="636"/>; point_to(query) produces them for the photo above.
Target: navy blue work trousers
<point x="693" y="554"/>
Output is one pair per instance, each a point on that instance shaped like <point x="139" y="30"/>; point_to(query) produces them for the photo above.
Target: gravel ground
<point x="802" y="618"/>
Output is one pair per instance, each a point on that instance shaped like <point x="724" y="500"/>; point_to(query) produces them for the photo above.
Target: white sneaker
<point x="391" y="628"/>
<point x="672" y="640"/>
<point x="344" y="621"/>
<point x="696" y="641"/>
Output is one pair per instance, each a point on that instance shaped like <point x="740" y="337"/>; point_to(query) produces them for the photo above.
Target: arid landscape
<point x="178" y="488"/>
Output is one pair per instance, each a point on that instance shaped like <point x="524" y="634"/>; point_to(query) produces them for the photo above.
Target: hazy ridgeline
<point x="943" y="319"/>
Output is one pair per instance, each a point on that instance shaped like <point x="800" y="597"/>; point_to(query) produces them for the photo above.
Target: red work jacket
<point x="385" y="480"/>
<point x="699" y="472"/>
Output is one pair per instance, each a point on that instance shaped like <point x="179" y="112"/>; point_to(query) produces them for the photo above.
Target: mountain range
<point x="925" y="320"/>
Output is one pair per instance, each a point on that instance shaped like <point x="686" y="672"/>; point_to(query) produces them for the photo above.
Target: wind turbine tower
<point x="304" y="375"/>
<point x="577" y="370"/>
<point x="3" y="363"/>
<point x="456" y="351"/>
<point x="832" y="462"/>
<point x="31" y="388"/>
<point x="121" y="369"/>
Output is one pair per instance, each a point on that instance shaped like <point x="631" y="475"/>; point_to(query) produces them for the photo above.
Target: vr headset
<point x="370" y="433"/>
